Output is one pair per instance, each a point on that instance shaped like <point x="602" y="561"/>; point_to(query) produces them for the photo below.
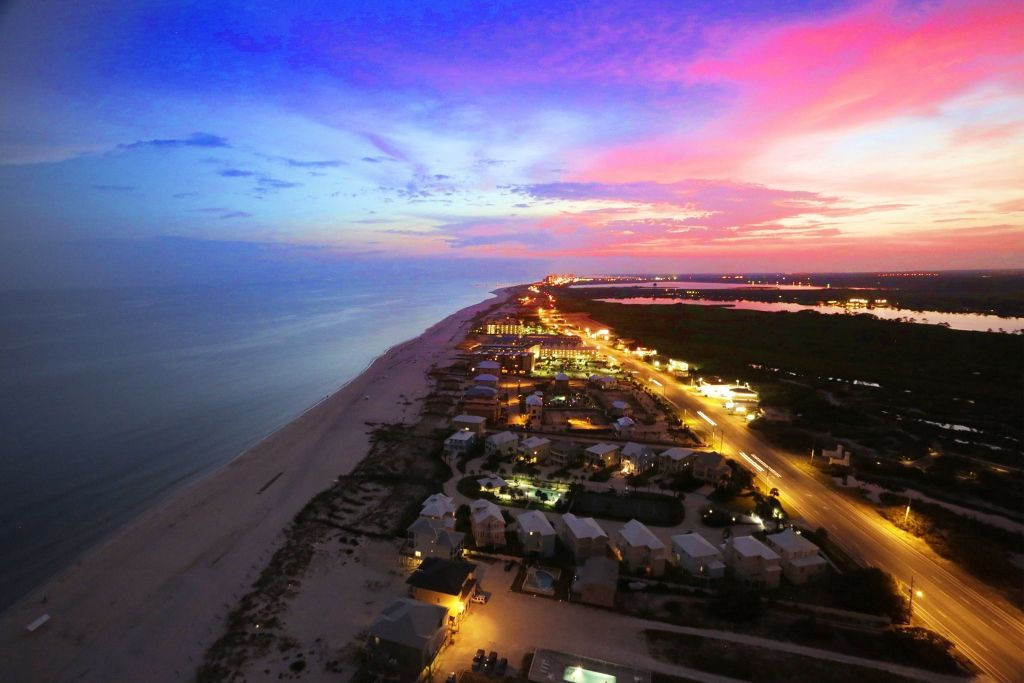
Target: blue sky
<point x="444" y="130"/>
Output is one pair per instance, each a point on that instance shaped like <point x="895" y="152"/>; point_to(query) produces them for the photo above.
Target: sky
<point x="587" y="136"/>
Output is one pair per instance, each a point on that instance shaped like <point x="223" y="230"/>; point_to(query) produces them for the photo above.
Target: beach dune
<point x="146" y="604"/>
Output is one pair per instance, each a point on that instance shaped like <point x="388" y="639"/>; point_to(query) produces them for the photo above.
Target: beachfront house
<point x="801" y="560"/>
<point x="481" y="402"/>
<point x="601" y="455"/>
<point x="624" y="427"/>
<point x="697" y="556"/>
<point x="448" y="583"/>
<point x="486" y="379"/>
<point x="458" y="444"/>
<point x="534" y="449"/>
<point x="603" y="382"/>
<point x="636" y="458"/>
<point x="675" y="460"/>
<point x="471" y="423"/>
<point x="502" y="444"/>
<point x="441" y="507"/>
<point x="488" y="367"/>
<point x="534" y="407"/>
<point x="430" y="537"/>
<point x="639" y="549"/>
<point x="405" y="638"/>
<point x="487" y="524"/>
<point x="752" y="561"/>
<point x="596" y="581"/>
<point x="536" y="534"/>
<point x="583" y="536"/>
<point x="710" y="467"/>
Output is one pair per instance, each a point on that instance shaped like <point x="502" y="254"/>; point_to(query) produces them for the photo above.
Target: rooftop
<point x="535" y="441"/>
<point x="695" y="545"/>
<point x="633" y="449"/>
<point x="602" y="448"/>
<point x="583" y="527"/>
<point x="461" y="435"/>
<point x="636" y="534"/>
<point x="676" y="453"/>
<point x="535" y="521"/>
<point x="408" y="622"/>
<point x="442" y="576"/>
<point x="485" y="377"/>
<point x="748" y="546"/>
<point x="597" y="570"/>
<point x="792" y="542"/>
<point x="502" y="437"/>
<point x="482" y="509"/>
<point x="474" y="419"/>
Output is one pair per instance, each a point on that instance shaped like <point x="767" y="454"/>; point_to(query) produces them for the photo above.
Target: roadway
<point x="983" y="624"/>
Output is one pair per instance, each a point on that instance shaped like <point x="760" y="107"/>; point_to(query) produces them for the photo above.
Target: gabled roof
<point x="441" y="576"/>
<point x="619" y="405"/>
<point x="474" y="419"/>
<point x="481" y="392"/>
<point x="535" y="442"/>
<point x="502" y="437"/>
<point x="625" y="422"/>
<point x="483" y="509"/>
<point x="712" y="460"/>
<point x="695" y="545"/>
<point x="602" y="448"/>
<point x="488" y="365"/>
<point x="485" y="377"/>
<point x="636" y="450"/>
<point x="561" y="377"/>
<point x="492" y="482"/>
<point x="534" y="400"/>
<point x="748" y="546"/>
<point x="677" y="454"/>
<point x="438" y="505"/>
<point x="409" y="622"/>
<point x="535" y="521"/>
<point x="583" y="527"/>
<point x="638" y="535"/>
<point x="461" y="435"/>
<point x="792" y="542"/>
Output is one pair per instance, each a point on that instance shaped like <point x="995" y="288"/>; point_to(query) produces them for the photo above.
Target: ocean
<point x="110" y="400"/>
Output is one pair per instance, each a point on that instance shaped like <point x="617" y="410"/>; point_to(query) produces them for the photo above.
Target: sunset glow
<point x="614" y="137"/>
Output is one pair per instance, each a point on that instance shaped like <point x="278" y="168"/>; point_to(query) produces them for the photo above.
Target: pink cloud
<point x="861" y="67"/>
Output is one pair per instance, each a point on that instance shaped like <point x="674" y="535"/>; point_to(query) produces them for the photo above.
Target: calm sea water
<point x="110" y="400"/>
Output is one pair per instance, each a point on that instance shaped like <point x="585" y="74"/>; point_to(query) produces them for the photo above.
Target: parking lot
<point x="514" y="624"/>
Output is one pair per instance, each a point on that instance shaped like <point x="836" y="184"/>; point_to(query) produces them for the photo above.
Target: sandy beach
<point x="146" y="604"/>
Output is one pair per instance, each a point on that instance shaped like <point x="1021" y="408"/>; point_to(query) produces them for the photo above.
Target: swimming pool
<point x="541" y="580"/>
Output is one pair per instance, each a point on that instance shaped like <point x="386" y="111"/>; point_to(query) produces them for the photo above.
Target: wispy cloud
<point x="114" y="188"/>
<point x="193" y="140"/>
<point x="234" y="173"/>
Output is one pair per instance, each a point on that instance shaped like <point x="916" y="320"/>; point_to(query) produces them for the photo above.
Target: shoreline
<point x="145" y="603"/>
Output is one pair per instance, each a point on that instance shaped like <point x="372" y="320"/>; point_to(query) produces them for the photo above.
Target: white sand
<point x="147" y="604"/>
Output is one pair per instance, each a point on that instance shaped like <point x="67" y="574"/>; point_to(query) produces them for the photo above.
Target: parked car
<point x="502" y="668"/>
<point x="478" y="660"/>
<point x="481" y="597"/>
<point x="452" y="678"/>
<point x="492" y="660"/>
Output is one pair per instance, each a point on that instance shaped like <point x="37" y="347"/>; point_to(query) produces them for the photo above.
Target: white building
<point x="601" y="455"/>
<point x="536" y="534"/>
<point x="429" y="537"/>
<point x="492" y="483"/>
<point x="583" y="536"/>
<point x="534" y="407"/>
<point x="534" y="449"/>
<point x="639" y="549"/>
<point x="486" y="379"/>
<point x="636" y="458"/>
<point x="710" y="467"/>
<point x="621" y="408"/>
<point x="458" y="443"/>
<point x="696" y="555"/>
<point x="503" y="444"/>
<point x="752" y="561"/>
<point x="675" y="459"/>
<point x="439" y="506"/>
<point x="800" y="558"/>
<point x="487" y="523"/>
<point x="624" y="427"/>
<point x="489" y="367"/>
<point x="472" y="423"/>
<point x="839" y="456"/>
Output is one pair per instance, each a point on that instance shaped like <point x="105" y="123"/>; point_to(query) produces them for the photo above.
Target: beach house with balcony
<point x="502" y="444"/>
<point x="487" y="524"/>
<point x="637" y="458"/>
<point x="697" y="556"/>
<point x="471" y="423"/>
<point x="601" y="455"/>
<point x="405" y="638"/>
<point x="801" y="560"/>
<point x="534" y="449"/>
<point x="752" y="561"/>
<point x="639" y="549"/>
<point x="536" y="534"/>
<point x="710" y="467"/>
<point x="583" y="536"/>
